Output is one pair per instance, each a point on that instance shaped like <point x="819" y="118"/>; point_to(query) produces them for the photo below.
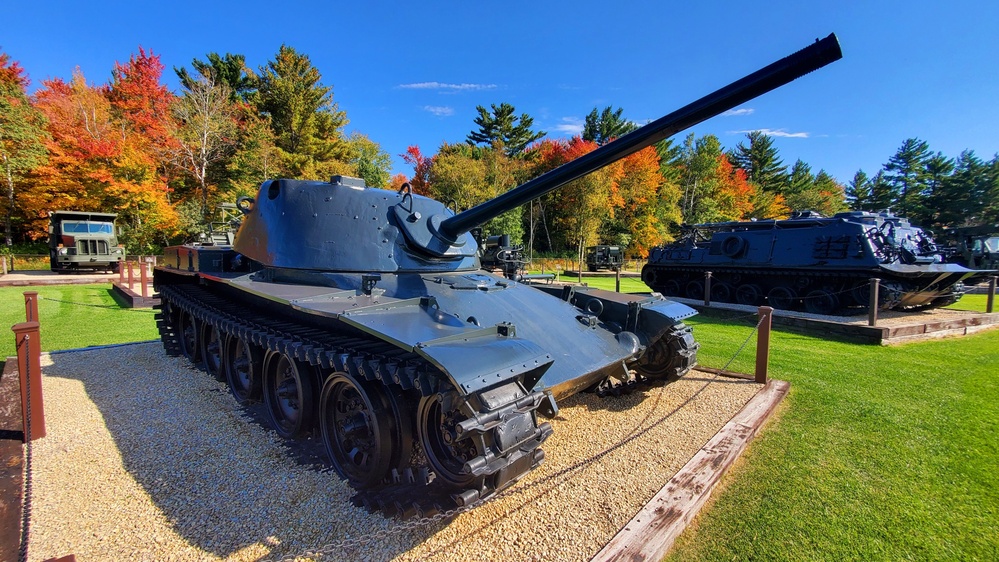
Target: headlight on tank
<point x="63" y="251"/>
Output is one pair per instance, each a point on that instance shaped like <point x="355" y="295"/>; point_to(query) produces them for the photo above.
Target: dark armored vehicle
<point x="83" y="240"/>
<point x="364" y="313"/>
<point x="821" y="264"/>
<point x="975" y="247"/>
<point x="604" y="257"/>
<point x="499" y="253"/>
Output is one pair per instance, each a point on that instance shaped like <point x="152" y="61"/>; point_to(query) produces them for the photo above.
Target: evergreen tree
<point x="906" y="172"/>
<point x="858" y="192"/>
<point x="938" y="171"/>
<point x="306" y="122"/>
<point x="230" y="70"/>
<point x="504" y="126"/>
<point x="761" y="162"/>
<point x="606" y="126"/>
<point x="882" y="193"/>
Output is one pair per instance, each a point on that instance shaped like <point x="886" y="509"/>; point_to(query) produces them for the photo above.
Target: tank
<point x="362" y="316"/>
<point x="822" y="265"/>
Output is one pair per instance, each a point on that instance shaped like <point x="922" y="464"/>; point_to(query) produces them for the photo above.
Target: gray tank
<point x="362" y="316"/>
<point x="822" y="265"/>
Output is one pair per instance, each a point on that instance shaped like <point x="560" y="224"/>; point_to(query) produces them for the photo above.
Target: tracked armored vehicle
<point x="822" y="265"/>
<point x="363" y="315"/>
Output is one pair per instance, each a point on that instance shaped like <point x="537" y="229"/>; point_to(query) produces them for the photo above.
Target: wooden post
<point x="763" y="343"/>
<point x="992" y="294"/>
<point x="617" y="280"/>
<point x="121" y="273"/>
<point x="130" y="276"/>
<point x="31" y="306"/>
<point x="4" y="260"/>
<point x="29" y="366"/>
<point x="872" y="305"/>
<point x="143" y="278"/>
<point x="707" y="288"/>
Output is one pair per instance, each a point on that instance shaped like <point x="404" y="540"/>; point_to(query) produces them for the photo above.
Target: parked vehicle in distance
<point x="974" y="247"/>
<point x="823" y="265"/>
<point x="81" y="240"/>
<point x="604" y="257"/>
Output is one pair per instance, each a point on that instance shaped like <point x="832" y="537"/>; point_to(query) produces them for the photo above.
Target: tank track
<point x="676" y="354"/>
<point x="409" y="491"/>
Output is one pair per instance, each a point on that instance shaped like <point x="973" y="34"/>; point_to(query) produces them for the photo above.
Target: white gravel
<point x="147" y="458"/>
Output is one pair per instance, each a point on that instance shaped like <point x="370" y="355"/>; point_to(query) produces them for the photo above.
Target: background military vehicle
<point x="604" y="257"/>
<point x="823" y="265"/>
<point x="364" y="314"/>
<point x="83" y="240"/>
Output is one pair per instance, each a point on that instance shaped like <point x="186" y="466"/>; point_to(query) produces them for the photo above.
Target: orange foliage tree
<point x="106" y="148"/>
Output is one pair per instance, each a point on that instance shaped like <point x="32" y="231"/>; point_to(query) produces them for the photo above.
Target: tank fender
<point x="473" y="357"/>
<point x="647" y="316"/>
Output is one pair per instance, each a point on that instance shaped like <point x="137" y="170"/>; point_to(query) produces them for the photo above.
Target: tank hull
<point x="499" y="352"/>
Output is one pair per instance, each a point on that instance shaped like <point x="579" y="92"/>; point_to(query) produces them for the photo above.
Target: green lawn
<point x="881" y="453"/>
<point x="74" y="316"/>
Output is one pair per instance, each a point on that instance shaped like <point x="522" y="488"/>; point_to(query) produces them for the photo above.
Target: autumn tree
<point x="22" y="134"/>
<point x="503" y="125"/>
<point x="205" y="131"/>
<point x="106" y="149"/>
<point x="606" y="126"/>
<point x="420" y="182"/>
<point x="371" y="162"/>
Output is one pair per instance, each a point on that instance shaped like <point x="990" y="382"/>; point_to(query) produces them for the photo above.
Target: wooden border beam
<point x="651" y="533"/>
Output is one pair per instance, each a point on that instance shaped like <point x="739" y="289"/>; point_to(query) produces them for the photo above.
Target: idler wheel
<point x="446" y="448"/>
<point x="672" y="355"/>
<point x="243" y="365"/>
<point x="722" y="291"/>
<point x="289" y="395"/>
<point x="782" y="297"/>
<point x="211" y="351"/>
<point x="749" y="294"/>
<point x="189" y="340"/>
<point x="821" y="301"/>
<point x="360" y="430"/>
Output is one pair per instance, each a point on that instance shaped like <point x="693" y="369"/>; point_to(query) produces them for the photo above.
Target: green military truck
<point x="604" y="257"/>
<point x="82" y="240"/>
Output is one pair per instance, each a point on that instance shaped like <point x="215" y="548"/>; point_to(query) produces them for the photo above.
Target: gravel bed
<point x="146" y="458"/>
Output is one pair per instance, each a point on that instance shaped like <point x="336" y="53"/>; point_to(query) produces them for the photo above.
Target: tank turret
<point x="361" y="316"/>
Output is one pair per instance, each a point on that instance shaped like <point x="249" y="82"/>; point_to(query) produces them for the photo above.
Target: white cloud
<point x="438" y="110"/>
<point x="738" y="112"/>
<point x="571" y="126"/>
<point x="446" y="86"/>
<point x="774" y="133"/>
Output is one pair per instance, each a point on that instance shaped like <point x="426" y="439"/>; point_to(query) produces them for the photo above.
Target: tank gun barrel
<point x="777" y="74"/>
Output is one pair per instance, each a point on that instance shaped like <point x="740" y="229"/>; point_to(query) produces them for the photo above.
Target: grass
<point x="73" y="316"/>
<point x="881" y="453"/>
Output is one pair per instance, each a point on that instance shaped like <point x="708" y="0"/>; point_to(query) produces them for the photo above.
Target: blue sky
<point x="413" y="73"/>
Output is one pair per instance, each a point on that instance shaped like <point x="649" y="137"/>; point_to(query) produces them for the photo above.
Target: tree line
<point x="164" y="160"/>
